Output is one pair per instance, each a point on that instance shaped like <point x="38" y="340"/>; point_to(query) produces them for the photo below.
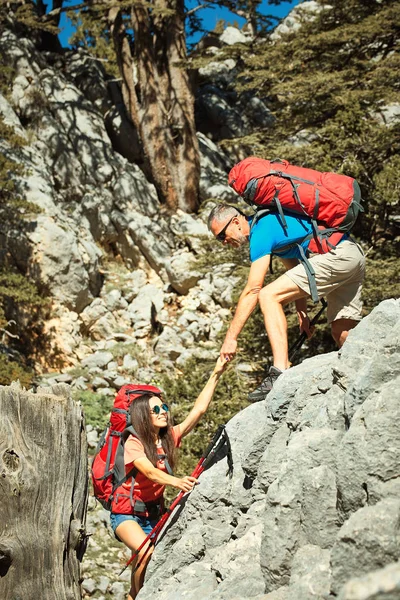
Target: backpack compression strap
<point x="120" y="476"/>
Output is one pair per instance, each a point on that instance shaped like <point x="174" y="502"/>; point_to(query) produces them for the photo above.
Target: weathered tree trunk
<point x="43" y="494"/>
<point x="158" y="97"/>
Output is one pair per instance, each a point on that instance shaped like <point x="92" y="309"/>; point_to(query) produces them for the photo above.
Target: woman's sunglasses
<point x="157" y="409"/>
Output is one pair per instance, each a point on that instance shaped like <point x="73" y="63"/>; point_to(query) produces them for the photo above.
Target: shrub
<point x="96" y="407"/>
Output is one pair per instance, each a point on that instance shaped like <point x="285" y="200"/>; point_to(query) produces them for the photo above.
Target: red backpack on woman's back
<point x="108" y="468"/>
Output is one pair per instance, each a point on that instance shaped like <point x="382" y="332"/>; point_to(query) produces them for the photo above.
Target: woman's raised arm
<point x="203" y="401"/>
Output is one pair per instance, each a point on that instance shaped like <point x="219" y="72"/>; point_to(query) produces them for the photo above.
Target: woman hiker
<point x="156" y="436"/>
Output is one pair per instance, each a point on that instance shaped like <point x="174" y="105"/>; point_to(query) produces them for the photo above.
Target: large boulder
<point x="312" y="509"/>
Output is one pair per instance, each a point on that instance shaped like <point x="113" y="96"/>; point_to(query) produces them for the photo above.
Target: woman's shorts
<point x="145" y="523"/>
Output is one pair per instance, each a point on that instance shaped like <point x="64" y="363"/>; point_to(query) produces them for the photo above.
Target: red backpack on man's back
<point x="108" y="468"/>
<point x="330" y="200"/>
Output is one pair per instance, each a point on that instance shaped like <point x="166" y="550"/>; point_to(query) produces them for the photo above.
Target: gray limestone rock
<point x="310" y="575"/>
<point x="213" y="174"/>
<point x="366" y="472"/>
<point x="389" y="114"/>
<point x="319" y="516"/>
<point x="235" y="558"/>
<point x="169" y="344"/>
<point x="368" y="541"/>
<point x="181" y="271"/>
<point x="383" y="367"/>
<point x="232" y="35"/>
<point x="89" y="585"/>
<point x="129" y="363"/>
<point x="104" y="327"/>
<point x="145" y="306"/>
<point x="365" y="340"/>
<point x="114" y="300"/>
<point x="223" y="118"/>
<point x="66" y="265"/>
<point x="307" y="11"/>
<point x="218" y="72"/>
<point x="98" y="359"/>
<point x="10" y="118"/>
<point x="383" y="584"/>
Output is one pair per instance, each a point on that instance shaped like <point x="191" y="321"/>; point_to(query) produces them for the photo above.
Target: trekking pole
<point x="198" y="470"/>
<point x="200" y="467"/>
<point x="295" y="347"/>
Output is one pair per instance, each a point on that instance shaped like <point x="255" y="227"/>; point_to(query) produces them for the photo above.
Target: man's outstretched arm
<point x="247" y="303"/>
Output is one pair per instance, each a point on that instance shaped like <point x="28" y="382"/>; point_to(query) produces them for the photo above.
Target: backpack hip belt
<point x="152" y="510"/>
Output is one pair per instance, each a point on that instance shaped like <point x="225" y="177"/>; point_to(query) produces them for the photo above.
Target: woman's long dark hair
<point x="141" y="422"/>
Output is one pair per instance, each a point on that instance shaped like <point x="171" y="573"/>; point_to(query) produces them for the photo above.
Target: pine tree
<point x="327" y="85"/>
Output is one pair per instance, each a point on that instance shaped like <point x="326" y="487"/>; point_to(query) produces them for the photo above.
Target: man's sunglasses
<point x="221" y="235"/>
<point x="157" y="409"/>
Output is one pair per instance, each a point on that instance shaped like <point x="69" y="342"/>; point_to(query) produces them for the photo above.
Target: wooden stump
<point x="43" y="494"/>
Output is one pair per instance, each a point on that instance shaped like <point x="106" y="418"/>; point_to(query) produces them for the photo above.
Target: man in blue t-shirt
<point x="338" y="277"/>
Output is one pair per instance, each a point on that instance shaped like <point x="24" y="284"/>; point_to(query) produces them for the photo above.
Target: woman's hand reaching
<point x="186" y="484"/>
<point x="220" y="365"/>
<point x="203" y="401"/>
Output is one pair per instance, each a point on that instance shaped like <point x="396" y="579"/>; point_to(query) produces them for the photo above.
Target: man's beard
<point x="241" y="239"/>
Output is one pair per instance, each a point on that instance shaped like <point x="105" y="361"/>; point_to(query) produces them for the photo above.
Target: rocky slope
<point x="100" y="236"/>
<point x="313" y="510"/>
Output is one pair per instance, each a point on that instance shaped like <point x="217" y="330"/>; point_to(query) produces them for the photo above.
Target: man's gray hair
<point x="222" y="213"/>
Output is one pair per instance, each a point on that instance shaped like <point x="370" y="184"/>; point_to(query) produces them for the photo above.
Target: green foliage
<point x="331" y="80"/>
<point x="12" y="206"/>
<point x="22" y="314"/>
<point x="120" y="350"/>
<point x="25" y="14"/>
<point x="13" y="370"/>
<point x="16" y="288"/>
<point x="96" y="407"/>
<point x="381" y="281"/>
<point x="92" y="33"/>
<point x="7" y="74"/>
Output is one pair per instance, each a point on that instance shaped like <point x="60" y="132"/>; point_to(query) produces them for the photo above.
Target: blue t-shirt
<point x="268" y="235"/>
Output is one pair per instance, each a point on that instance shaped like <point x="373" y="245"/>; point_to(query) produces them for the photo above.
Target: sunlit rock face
<point x="92" y="202"/>
<point x="312" y="510"/>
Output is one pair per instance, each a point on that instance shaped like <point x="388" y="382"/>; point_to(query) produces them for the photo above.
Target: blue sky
<point x="209" y="16"/>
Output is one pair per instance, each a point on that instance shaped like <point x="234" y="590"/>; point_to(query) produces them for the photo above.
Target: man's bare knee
<point x="340" y="330"/>
<point x="267" y="296"/>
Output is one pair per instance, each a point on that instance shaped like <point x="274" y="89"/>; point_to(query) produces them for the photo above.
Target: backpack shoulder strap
<point x="258" y="215"/>
<point x="130" y="430"/>
<point x="120" y="476"/>
<point x="119" y="463"/>
<point x="167" y="465"/>
<point x="304" y="261"/>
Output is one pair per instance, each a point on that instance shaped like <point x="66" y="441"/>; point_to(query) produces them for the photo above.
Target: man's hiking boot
<point x="264" y="389"/>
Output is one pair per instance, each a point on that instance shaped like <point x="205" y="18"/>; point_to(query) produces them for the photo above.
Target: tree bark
<point x="43" y="490"/>
<point x="158" y="96"/>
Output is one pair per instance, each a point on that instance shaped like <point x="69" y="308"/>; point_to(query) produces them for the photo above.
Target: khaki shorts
<point x="339" y="275"/>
